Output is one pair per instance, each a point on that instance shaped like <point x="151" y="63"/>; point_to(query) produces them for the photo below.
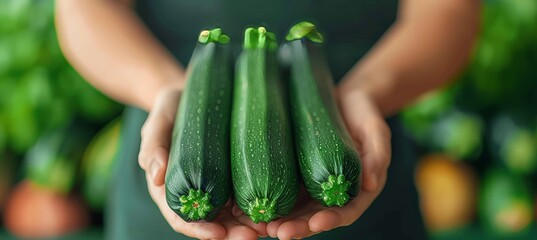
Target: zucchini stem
<point x="214" y="35"/>
<point x="335" y="191"/>
<point x="196" y="205"/>
<point x="262" y="210"/>
<point x="305" y="30"/>
<point x="259" y="38"/>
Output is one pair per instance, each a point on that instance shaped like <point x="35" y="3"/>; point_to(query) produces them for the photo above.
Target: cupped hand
<point x="153" y="158"/>
<point x="372" y="137"/>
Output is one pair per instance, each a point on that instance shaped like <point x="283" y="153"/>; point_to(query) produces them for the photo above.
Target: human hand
<point x="153" y="158"/>
<point x="371" y="136"/>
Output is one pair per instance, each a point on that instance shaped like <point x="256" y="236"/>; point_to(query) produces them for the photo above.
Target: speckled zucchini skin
<point x="328" y="159"/>
<point x="198" y="178"/>
<point x="263" y="162"/>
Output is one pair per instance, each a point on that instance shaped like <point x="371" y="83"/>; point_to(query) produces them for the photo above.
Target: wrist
<point x="163" y="75"/>
<point x="377" y="88"/>
<point x="148" y="94"/>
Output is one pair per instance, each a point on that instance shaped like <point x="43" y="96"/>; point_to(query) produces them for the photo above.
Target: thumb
<point x="375" y="152"/>
<point x="156" y="136"/>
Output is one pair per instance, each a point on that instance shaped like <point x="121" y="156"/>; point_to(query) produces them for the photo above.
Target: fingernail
<point x="155" y="167"/>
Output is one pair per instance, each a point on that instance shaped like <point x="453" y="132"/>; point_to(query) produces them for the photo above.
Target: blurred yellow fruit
<point x="447" y="190"/>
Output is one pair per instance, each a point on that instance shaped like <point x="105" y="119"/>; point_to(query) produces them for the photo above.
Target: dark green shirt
<point x="351" y="27"/>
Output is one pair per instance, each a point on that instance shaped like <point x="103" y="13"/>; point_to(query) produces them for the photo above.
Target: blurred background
<point x="476" y="138"/>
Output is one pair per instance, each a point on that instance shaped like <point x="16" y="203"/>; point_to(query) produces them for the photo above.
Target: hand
<point x="371" y="136"/>
<point x="153" y="158"/>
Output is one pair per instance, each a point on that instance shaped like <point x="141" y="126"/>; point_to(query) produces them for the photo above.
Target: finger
<point x="157" y="168"/>
<point x="370" y="133"/>
<point x="260" y="228"/>
<point x="294" y="221"/>
<point x="374" y="138"/>
<point x="156" y="134"/>
<point x="211" y="230"/>
<point x="272" y="227"/>
<point x="295" y="228"/>
<point x="236" y="230"/>
<point x="324" y="221"/>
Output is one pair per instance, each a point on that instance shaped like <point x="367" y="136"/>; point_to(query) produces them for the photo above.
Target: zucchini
<point x="262" y="158"/>
<point x="198" y="178"/>
<point x="328" y="159"/>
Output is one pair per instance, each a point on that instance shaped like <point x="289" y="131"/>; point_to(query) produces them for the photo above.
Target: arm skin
<point x="109" y="45"/>
<point x="429" y="43"/>
<point x="423" y="50"/>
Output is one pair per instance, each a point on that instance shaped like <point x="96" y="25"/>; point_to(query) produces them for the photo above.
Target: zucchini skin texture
<point x="328" y="160"/>
<point x="198" y="177"/>
<point x="263" y="163"/>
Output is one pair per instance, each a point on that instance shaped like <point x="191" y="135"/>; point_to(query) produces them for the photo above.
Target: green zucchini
<point x="262" y="158"/>
<point x="198" y="178"/>
<point x="328" y="159"/>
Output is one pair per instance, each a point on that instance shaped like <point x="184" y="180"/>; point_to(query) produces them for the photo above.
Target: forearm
<point x="426" y="47"/>
<point x="110" y="46"/>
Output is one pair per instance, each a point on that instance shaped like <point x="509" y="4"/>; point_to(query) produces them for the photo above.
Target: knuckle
<point x="386" y="163"/>
<point x="383" y="127"/>
<point x="155" y="153"/>
<point x="145" y="129"/>
<point x="383" y="158"/>
<point x="143" y="159"/>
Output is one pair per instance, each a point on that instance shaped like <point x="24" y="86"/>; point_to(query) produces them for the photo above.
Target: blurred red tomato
<point x="34" y="212"/>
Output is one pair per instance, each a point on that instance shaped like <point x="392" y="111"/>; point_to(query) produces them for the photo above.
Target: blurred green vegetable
<point x="505" y="204"/>
<point x="54" y="160"/>
<point x="420" y="117"/>
<point x="514" y="144"/>
<point x="458" y="134"/>
<point x="40" y="90"/>
<point x="98" y="163"/>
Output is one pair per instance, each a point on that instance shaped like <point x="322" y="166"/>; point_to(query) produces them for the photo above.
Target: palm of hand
<point x="366" y="126"/>
<point x="224" y="226"/>
<point x="153" y="159"/>
<point x="372" y="138"/>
